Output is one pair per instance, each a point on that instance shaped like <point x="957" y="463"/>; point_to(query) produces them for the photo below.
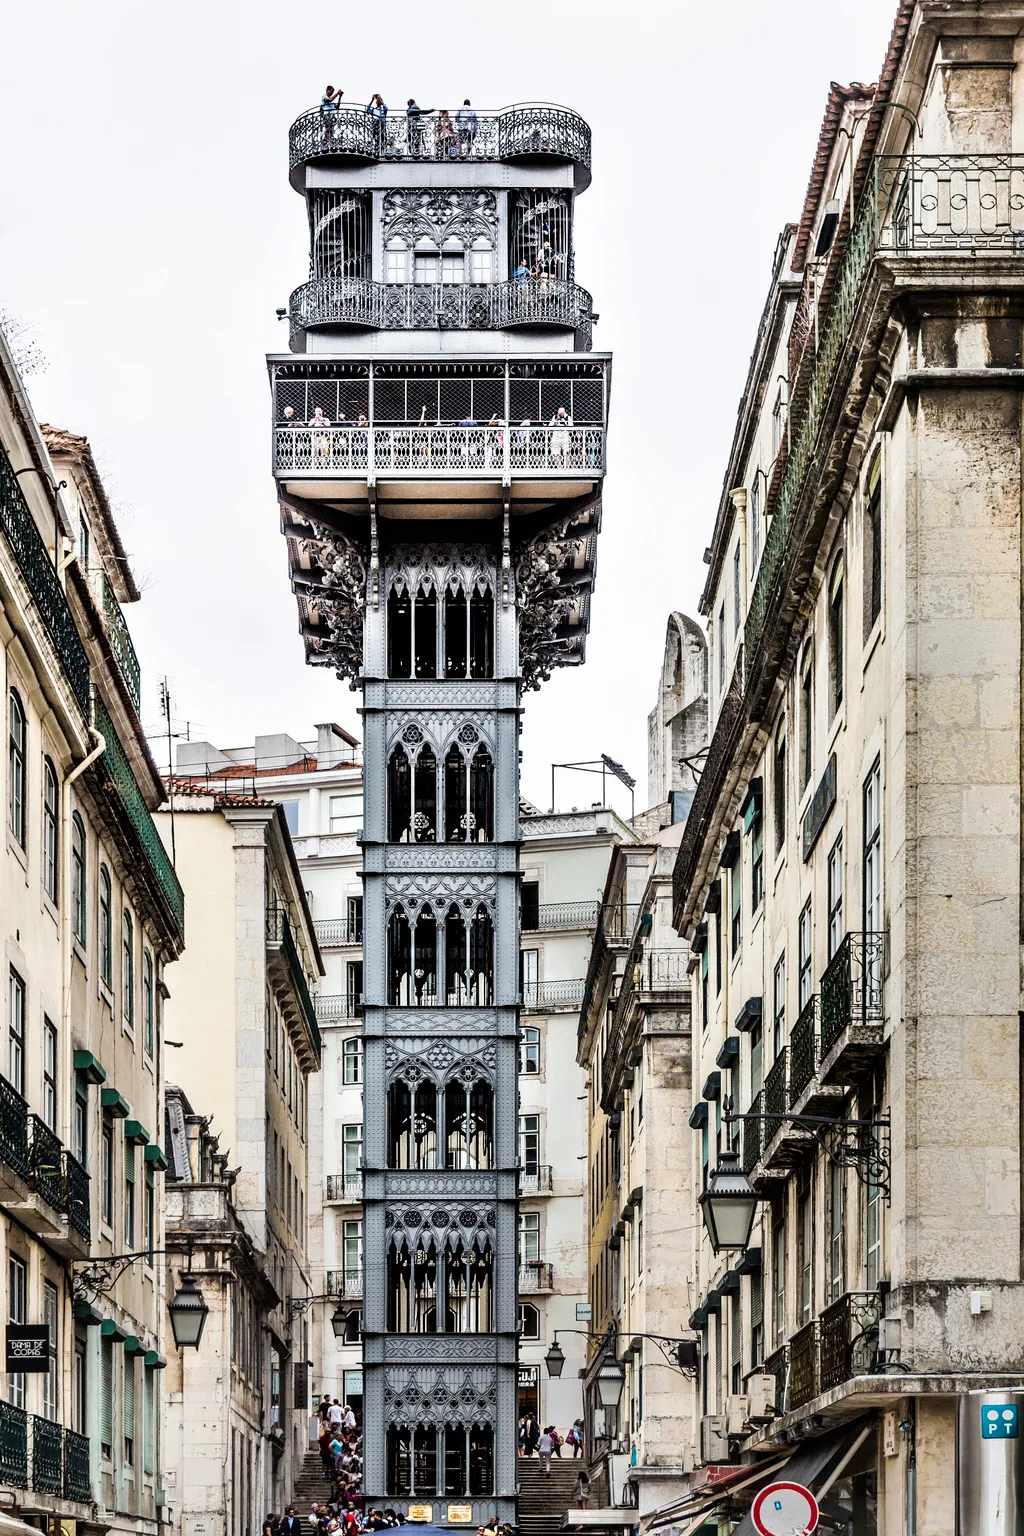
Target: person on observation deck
<point x="417" y="128"/>
<point x="329" y="104"/>
<point x="468" y="125"/>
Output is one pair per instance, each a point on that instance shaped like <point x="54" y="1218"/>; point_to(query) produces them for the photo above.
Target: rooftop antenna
<point x="165" y="707"/>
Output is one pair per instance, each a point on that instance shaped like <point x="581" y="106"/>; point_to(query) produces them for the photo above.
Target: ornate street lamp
<point x="729" y="1204"/>
<point x="610" y="1380"/>
<point x="339" y="1321"/>
<point x="188" y="1313"/>
<point x="555" y="1360"/>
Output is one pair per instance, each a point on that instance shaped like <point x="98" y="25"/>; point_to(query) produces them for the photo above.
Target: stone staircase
<point x="312" y="1485"/>
<point x="543" y="1503"/>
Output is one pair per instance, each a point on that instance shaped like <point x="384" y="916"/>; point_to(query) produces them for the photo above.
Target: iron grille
<point x="849" y="1337"/>
<point x="775" y="1094"/>
<point x="803" y="1043"/>
<point x="46" y="1164"/>
<point x="13" y="1445"/>
<point x="777" y="1365"/>
<point x="851" y="988"/>
<point x="13" y="1128"/>
<point x="76" y="1182"/>
<point x="334" y="932"/>
<point x="804" y="1366"/>
<point x="338" y="1005"/>
<point x="47" y="1455"/>
<point x="752" y="1136"/>
<point x="566" y="914"/>
<point x="77" y="1478"/>
<point x="121" y="643"/>
<point x="541" y="995"/>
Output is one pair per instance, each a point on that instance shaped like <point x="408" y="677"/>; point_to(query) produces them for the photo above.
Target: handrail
<point x="540" y="301"/>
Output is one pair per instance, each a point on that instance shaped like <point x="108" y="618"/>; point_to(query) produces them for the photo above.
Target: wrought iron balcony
<point x="77" y="1474"/>
<point x="47" y="1455"/>
<point x="526" y="131"/>
<point x="752" y="1137"/>
<point x="849" y="1337"/>
<point x="121" y="643"/>
<point x="782" y="1143"/>
<point x="535" y="1180"/>
<point x="121" y="781"/>
<point x="338" y="932"/>
<point x="13" y="1129"/>
<point x="358" y="302"/>
<point x="552" y="916"/>
<point x="804" y="1366"/>
<point x="852" y="1013"/>
<point x="347" y="1284"/>
<point x="777" y="1365"/>
<point x="775" y="1093"/>
<point x="76" y="1184"/>
<point x="26" y="545"/>
<point x="13" y="1446"/>
<point x="552" y="996"/>
<point x="280" y="937"/>
<point x="618" y="919"/>
<point x="46" y="1164"/>
<point x="535" y="1276"/>
<point x="345" y="1187"/>
<point x="803" y="1050"/>
<point x="476" y="452"/>
<point x="330" y="1007"/>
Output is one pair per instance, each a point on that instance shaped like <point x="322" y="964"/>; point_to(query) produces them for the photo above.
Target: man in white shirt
<point x="337" y="1415"/>
<point x="545" y="1445"/>
<point x="350" y="1418"/>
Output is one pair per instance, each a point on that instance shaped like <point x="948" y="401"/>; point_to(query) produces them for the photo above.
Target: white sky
<point x="148" y="233"/>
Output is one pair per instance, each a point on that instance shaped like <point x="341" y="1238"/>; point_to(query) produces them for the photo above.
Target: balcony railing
<point x="13" y="1445"/>
<point x="47" y="1456"/>
<point x="752" y="1137"/>
<point x="77" y="1474"/>
<point x="345" y="1283"/>
<point x="121" y="643"/>
<point x="661" y="970"/>
<point x="121" y="780"/>
<point x="849" y="1337"/>
<point x="775" y="1095"/>
<point x="804" y="1366"/>
<point x="13" y="1129"/>
<point x="777" y="1365"/>
<point x="534" y="1276"/>
<point x="29" y="551"/>
<point x="851" y="988"/>
<point x="472" y="451"/>
<point x="338" y="1005"/>
<point x="279" y="931"/>
<point x="618" y="919"/>
<point x="803" y="1049"/>
<point x="46" y="1164"/>
<point x="552" y="996"/>
<point x="536" y="1180"/>
<point x="527" y="131"/>
<point x="564" y="914"/>
<point x="538" y="301"/>
<point x="76" y="1185"/>
<point x="345" y="1186"/>
<point x="337" y="932"/>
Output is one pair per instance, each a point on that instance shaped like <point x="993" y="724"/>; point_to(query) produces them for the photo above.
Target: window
<point x="149" y="1216"/>
<point x="873" y="550"/>
<point x="529" y="905"/>
<point x="355" y="919"/>
<point x="529" y="1051"/>
<point x="835" y="896"/>
<point x="872" y="1234"/>
<point x="78" y="906"/>
<point x="779" y="419"/>
<point x="51" y="834"/>
<point x="805" y="1259"/>
<point x="352" y="1250"/>
<point x="737" y="595"/>
<point x="754" y="502"/>
<point x="806" y="719"/>
<point x="346" y="813"/>
<point x="779" y="1005"/>
<point x="481" y="263"/>
<point x="351" y="1151"/>
<point x="779" y="789"/>
<point x="735" y="905"/>
<point x="17" y="817"/>
<point x="81" y="1124"/>
<point x="84" y="541"/>
<point x="129" y="1198"/>
<point x="529" y="969"/>
<point x="453" y="266"/>
<point x="757" y="866"/>
<point x="50" y="1074"/>
<point x="396" y="263"/>
<point x="106" y="929"/>
<point x="107" y="1397"/>
<point x="80" y="1385"/>
<point x="836" y="1224"/>
<point x="529" y="1237"/>
<point x="805" y="958"/>
<point x="128" y="1410"/>
<point x="352" y="1062"/>
<point x="128" y="971"/>
<point x="107" y="1173"/>
<point x="529" y="1143"/>
<point x="836" y="639"/>
<point x="529" y="1321"/>
<point x="721" y="647"/>
<point x="756" y="1320"/>
<point x="735" y="1345"/>
<point x="426" y="266"/>
<point x="16" y="1031"/>
<point x="148" y="1004"/>
<point x="756" y="1061"/>
<point x="291" y="816"/>
<point x="704" y="969"/>
<point x="873" y="849"/>
<point x="149" y="1381"/>
<point x="17" y="1290"/>
<point x="779" y="1279"/>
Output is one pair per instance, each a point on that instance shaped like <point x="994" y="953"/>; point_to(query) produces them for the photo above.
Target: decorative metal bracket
<point x="97" y="1277"/>
<point x="846" y="1143"/>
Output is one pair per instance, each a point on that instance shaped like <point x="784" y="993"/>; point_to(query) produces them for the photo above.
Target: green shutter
<point x="128" y="1398"/>
<point x="107" y="1391"/>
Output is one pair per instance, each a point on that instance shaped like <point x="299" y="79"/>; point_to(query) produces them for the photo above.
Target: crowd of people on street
<point x="547" y="1442"/>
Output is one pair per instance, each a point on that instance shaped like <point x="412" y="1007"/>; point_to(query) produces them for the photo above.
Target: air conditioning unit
<point x="761" y="1394"/>
<point x="714" y="1438"/>
<point x="737" y="1413"/>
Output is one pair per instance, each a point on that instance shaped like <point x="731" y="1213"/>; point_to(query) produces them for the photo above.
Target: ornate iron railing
<point x="122" y="780"/>
<point x="564" y="914"/>
<point x="953" y="202"/>
<point x="513" y="133"/>
<point x="804" y="1366"/>
<point x="77" y="1474"/>
<point x="46" y="1164"/>
<point x="279" y="931"/>
<point x="27" y="547"/>
<point x="338" y="1005"/>
<point x="777" y="1365"/>
<point x="335" y="932"/>
<point x="346" y="1283"/>
<point x="661" y="970"/>
<point x="752" y="1138"/>
<point x="76" y="1184"/>
<point x="849" y="1337"/>
<point x="345" y="1186"/>
<point x="537" y="301"/>
<point x="13" y="1445"/>
<point x="474" y="451"/>
<point x="535" y="1181"/>
<point x="803" y="1047"/>
<point x="775" y="1095"/>
<point x="13" y="1128"/>
<point x="47" y="1455"/>
<point x="121" y="643"/>
<point x="534" y="1276"/>
<point x="618" y="919"/>
<point x="851" y="988"/>
<point x="539" y="996"/>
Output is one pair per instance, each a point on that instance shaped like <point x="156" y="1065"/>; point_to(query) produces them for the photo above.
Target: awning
<point x="9" y="1526"/>
<point x="703" y="1500"/>
<point x="577" y="1518"/>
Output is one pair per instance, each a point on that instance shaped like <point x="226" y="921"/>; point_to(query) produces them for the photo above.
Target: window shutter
<point x="106" y="1392"/>
<point x="129" y="1397"/>
<point x="149" y="1422"/>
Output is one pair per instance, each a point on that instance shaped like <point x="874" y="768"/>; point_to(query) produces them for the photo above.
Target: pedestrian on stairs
<point x="577" y="1438"/>
<point x="545" y="1446"/>
<point x="291" y="1525"/>
<point x="270" y="1526"/>
<point x="581" y="1489"/>
<point x="556" y="1442"/>
<point x="532" y="1434"/>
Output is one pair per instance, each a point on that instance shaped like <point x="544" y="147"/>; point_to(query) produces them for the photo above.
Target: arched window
<point x="79" y="909"/>
<point x="412" y="1460"/>
<point x="455" y="958"/>
<point x="481" y="797"/>
<point x="128" y="970"/>
<point x="412" y="1125"/>
<point x="399" y="959"/>
<point x="424" y="974"/>
<point x="481" y="960"/>
<point x="106" y="934"/>
<point x="468" y="1118"/>
<point x="481" y="261"/>
<point x="481" y="633"/>
<point x="424" y="813"/>
<point x="426" y="262"/>
<point x="529" y="1051"/>
<point x="51" y="831"/>
<point x="399" y="796"/>
<point x="468" y="1276"/>
<point x="456" y="632"/>
<point x="425" y="633"/>
<point x="399" y="634"/>
<point x="17" y="817"/>
<point x="468" y="793"/>
<point x="412" y="1287"/>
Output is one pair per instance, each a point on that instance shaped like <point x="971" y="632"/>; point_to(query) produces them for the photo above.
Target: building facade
<point x="849" y="877"/>
<point x="439" y="452"/>
<point x="246" y="1038"/>
<point x="91" y="914"/>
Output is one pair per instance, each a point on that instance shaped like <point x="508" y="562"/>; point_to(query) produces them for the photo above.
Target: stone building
<point x="439" y="436"/>
<point x="849" y="876"/>
<point x="90" y="914"/>
<point x="247" y="1041"/>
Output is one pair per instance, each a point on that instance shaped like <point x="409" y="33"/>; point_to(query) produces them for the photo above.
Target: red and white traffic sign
<point x="785" y="1509"/>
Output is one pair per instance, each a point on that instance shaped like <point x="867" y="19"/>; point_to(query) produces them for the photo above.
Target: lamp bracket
<point x="862" y="1145"/>
<point x="97" y="1277"/>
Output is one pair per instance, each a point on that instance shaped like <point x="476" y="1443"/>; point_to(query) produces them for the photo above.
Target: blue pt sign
<point x="999" y="1421"/>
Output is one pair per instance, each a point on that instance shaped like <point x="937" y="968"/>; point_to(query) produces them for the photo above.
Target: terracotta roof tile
<point x="838" y="96"/>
